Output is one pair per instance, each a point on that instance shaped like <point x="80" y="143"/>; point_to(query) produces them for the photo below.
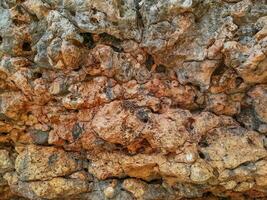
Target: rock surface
<point x="133" y="99"/>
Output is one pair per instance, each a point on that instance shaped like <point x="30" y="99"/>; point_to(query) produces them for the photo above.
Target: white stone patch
<point x="189" y="157"/>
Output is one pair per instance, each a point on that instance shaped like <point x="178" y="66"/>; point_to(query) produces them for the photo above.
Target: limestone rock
<point x="35" y="163"/>
<point x="6" y="164"/>
<point x="258" y="95"/>
<point x="50" y="189"/>
<point x="133" y="99"/>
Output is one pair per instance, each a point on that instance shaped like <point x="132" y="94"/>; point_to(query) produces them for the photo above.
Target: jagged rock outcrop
<point x="133" y="99"/>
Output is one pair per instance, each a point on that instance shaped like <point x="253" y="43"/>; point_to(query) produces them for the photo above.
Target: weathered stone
<point x="42" y="163"/>
<point x="133" y="99"/>
<point x="49" y="189"/>
<point x="201" y="172"/>
<point x="6" y="163"/>
<point x="114" y="123"/>
<point x="40" y="137"/>
<point x="258" y="95"/>
<point x="137" y="187"/>
<point x="109" y="192"/>
<point x="203" y="70"/>
<point x="11" y="104"/>
<point x="230" y="139"/>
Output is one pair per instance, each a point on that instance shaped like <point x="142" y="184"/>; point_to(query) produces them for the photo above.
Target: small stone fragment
<point x="109" y="192"/>
<point x="6" y="163"/>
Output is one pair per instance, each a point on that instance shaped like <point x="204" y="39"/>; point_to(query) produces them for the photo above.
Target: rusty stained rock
<point x="133" y="99"/>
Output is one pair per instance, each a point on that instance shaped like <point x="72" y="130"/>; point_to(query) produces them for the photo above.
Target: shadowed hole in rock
<point x="3" y="133"/>
<point x="1" y="39"/>
<point x="139" y="18"/>
<point x="94" y="11"/>
<point x="149" y="62"/>
<point x="119" y="146"/>
<point x="161" y="69"/>
<point x="112" y="41"/>
<point x="203" y="143"/>
<point x="26" y="46"/>
<point x="250" y="141"/>
<point x="17" y="22"/>
<point x="89" y="77"/>
<point x="155" y="181"/>
<point x="186" y="76"/>
<point x="72" y="12"/>
<point x="197" y="87"/>
<point x="88" y="40"/>
<point x="117" y="49"/>
<point x="77" y="69"/>
<point x="201" y="155"/>
<point x="224" y="198"/>
<point x="54" y="101"/>
<point x="238" y="81"/>
<point x="235" y="117"/>
<point x="219" y="70"/>
<point x="20" y="1"/>
<point x="207" y="194"/>
<point x="76" y="131"/>
<point x="247" y="164"/>
<point x="142" y="146"/>
<point x="37" y="75"/>
<point x="105" y="37"/>
<point x="94" y="20"/>
<point x="29" y="113"/>
<point x="215" y="172"/>
<point x="189" y="124"/>
<point x="142" y="114"/>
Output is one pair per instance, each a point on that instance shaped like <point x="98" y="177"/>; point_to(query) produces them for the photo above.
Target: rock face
<point x="133" y="99"/>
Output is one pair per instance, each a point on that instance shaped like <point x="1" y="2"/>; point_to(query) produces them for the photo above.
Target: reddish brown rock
<point x="133" y="99"/>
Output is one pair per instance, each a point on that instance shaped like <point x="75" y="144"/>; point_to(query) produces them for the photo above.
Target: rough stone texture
<point x="133" y="99"/>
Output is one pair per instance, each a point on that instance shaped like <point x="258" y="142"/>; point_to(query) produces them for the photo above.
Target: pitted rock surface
<point x="133" y="99"/>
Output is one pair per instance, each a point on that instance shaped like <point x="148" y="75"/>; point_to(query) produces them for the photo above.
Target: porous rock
<point x="133" y="99"/>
